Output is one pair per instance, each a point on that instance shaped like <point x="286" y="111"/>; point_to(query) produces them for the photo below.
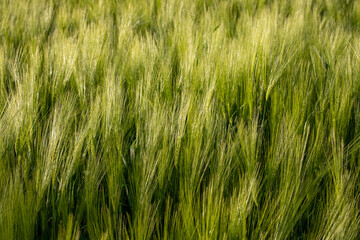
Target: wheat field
<point x="180" y="119"/>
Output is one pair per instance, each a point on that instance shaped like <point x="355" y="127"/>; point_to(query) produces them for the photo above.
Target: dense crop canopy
<point x="180" y="119"/>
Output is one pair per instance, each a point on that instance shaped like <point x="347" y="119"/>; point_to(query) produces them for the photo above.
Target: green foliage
<point x="202" y="119"/>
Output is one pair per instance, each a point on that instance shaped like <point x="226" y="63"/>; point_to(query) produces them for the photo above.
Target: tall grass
<point x="202" y="119"/>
